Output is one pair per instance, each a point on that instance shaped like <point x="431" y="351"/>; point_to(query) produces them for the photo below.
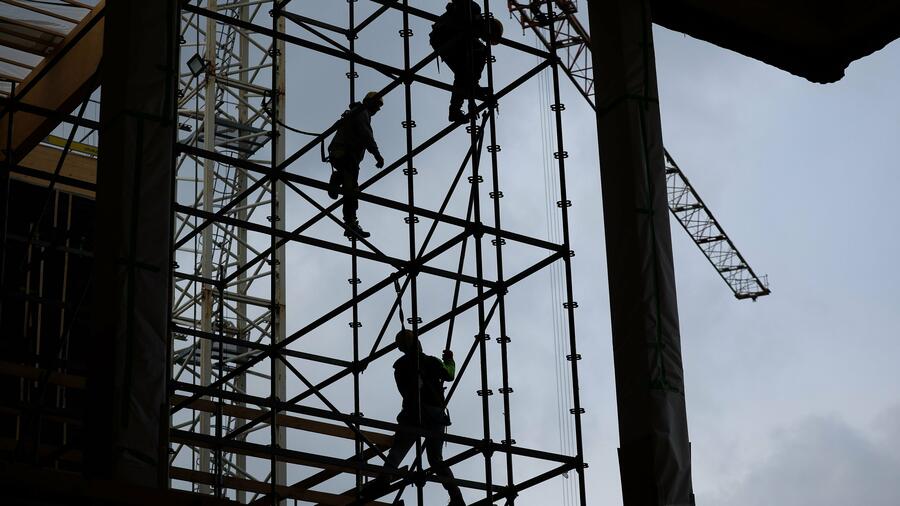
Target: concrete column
<point x="126" y="435"/>
<point x="654" y="453"/>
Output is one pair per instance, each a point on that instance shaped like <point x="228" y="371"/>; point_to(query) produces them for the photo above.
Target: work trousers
<point x="434" y="450"/>
<point x="346" y="175"/>
<point x="466" y="70"/>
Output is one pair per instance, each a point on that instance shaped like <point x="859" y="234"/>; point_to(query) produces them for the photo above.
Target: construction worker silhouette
<point x="345" y="152"/>
<point x="455" y="36"/>
<point x="420" y="379"/>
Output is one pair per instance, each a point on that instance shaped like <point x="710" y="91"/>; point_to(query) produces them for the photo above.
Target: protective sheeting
<point x="128" y="418"/>
<point x="654" y="454"/>
<point x="813" y="39"/>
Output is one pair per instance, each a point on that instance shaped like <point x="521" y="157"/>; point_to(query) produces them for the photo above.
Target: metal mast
<point x="230" y="89"/>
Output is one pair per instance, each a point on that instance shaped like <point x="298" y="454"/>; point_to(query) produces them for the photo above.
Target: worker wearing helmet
<point x="420" y="379"/>
<point x="353" y="138"/>
<point x="457" y="37"/>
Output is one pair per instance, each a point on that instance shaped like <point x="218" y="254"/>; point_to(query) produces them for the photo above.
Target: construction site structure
<point x="160" y="194"/>
<point x="230" y="438"/>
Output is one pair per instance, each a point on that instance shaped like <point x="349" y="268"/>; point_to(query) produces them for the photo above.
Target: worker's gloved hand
<point x="447" y="356"/>
<point x="379" y="160"/>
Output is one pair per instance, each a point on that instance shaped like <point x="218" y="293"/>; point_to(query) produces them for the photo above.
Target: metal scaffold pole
<point x="234" y="356"/>
<point x="206" y="253"/>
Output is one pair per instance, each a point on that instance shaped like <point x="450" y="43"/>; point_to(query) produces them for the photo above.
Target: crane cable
<point x="551" y="188"/>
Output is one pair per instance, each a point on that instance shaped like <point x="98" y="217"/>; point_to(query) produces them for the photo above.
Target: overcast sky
<point x="792" y="400"/>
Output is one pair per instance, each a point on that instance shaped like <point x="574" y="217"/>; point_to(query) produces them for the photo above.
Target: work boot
<point x="334" y="184"/>
<point x="354" y="231"/>
<point x="456" y="115"/>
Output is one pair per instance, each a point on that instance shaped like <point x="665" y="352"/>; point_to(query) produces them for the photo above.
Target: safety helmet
<point x="373" y="98"/>
<point x="493" y="31"/>
<point x="407" y="341"/>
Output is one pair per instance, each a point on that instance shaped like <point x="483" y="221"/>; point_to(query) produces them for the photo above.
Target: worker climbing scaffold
<point x="420" y="378"/>
<point x="456" y="36"/>
<point x="346" y="151"/>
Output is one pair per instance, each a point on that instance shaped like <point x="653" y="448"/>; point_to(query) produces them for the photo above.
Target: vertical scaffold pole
<point x="408" y="124"/>
<point x="482" y="335"/>
<point x="503" y="339"/>
<point x="241" y="321"/>
<point x="4" y="188"/>
<point x="277" y="257"/>
<point x="570" y="305"/>
<point x="206" y="255"/>
<point x="354" y="268"/>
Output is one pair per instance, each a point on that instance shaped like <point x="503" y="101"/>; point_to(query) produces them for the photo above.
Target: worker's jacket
<point x="454" y="32"/>
<point x="426" y="385"/>
<point x="354" y="135"/>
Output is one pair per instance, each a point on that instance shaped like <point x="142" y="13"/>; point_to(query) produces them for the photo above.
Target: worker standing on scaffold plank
<point x="455" y="36"/>
<point x="345" y="152"/>
<point x="420" y="379"/>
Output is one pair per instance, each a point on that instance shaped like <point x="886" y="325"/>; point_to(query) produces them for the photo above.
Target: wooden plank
<point x="75" y="166"/>
<point x="43" y="12"/>
<point x="33" y="373"/>
<point x="34" y="28"/>
<point x="384" y="441"/>
<point x="260" y="452"/>
<point x="68" y="80"/>
<point x="23" y="484"/>
<point x="8" y="445"/>
<point x="259" y="487"/>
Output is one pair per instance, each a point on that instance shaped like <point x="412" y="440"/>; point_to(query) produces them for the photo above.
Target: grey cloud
<point x="823" y="461"/>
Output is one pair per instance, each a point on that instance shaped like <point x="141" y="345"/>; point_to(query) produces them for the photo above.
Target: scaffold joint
<point x="476" y="229"/>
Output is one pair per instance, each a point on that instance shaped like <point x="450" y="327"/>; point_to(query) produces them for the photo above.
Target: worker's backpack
<point x="442" y="30"/>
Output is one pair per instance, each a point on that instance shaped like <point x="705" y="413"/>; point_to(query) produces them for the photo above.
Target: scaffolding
<point x="233" y="410"/>
<point x="46" y="256"/>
